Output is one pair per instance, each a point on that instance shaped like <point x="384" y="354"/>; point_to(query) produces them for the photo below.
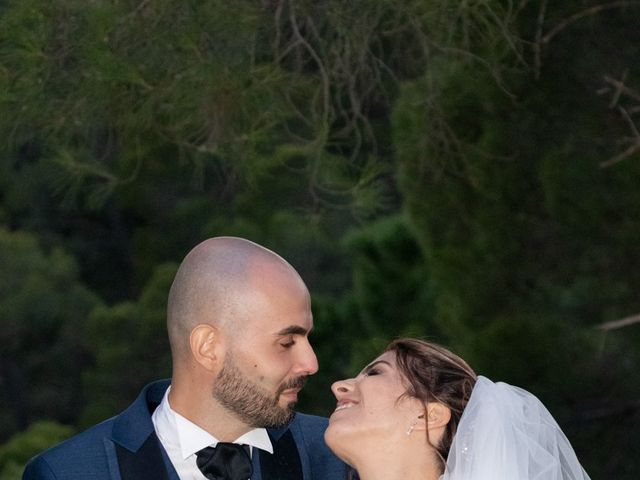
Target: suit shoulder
<point x="310" y="428"/>
<point x="87" y="446"/>
<point x="309" y="433"/>
<point x="38" y="469"/>
<point x="89" y="453"/>
<point x="311" y="421"/>
<point x="92" y="435"/>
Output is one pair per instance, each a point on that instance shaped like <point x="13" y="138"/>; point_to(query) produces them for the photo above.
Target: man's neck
<point x="202" y="409"/>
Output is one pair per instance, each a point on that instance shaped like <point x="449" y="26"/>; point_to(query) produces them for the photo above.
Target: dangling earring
<point x="410" y="429"/>
<point x="413" y="424"/>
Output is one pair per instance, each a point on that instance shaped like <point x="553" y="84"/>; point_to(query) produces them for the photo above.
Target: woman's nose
<point x="342" y="387"/>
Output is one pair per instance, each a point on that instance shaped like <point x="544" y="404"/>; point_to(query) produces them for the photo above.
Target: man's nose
<point x="307" y="361"/>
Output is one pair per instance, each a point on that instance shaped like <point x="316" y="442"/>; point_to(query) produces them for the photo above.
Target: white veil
<point x="505" y="433"/>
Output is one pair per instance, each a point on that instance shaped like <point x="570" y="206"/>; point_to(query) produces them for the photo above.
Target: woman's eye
<point x="371" y="372"/>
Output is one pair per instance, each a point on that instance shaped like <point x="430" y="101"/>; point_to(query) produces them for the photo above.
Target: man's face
<point x="269" y="356"/>
<point x="252" y="403"/>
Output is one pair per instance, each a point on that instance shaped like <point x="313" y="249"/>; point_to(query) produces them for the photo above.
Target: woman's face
<point x="371" y="407"/>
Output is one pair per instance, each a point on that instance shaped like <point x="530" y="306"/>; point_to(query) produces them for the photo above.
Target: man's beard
<point x="251" y="403"/>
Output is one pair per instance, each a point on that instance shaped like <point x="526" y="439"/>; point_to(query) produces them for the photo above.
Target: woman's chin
<point x="338" y="441"/>
<point x="339" y="446"/>
<point x="331" y="437"/>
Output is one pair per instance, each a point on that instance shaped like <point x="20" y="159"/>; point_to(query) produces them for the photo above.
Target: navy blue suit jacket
<point x="125" y="447"/>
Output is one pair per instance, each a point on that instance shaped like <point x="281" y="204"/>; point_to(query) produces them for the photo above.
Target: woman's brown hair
<point x="435" y="374"/>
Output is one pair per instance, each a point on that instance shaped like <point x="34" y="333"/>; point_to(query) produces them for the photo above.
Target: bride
<point x="419" y="412"/>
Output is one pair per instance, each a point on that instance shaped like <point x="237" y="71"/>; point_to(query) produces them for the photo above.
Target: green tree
<point x="389" y="295"/>
<point x="464" y="171"/>
<point x="522" y="216"/>
<point x="16" y="452"/>
<point x="130" y="346"/>
<point x="43" y="307"/>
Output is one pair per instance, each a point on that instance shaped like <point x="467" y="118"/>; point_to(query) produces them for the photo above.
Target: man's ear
<point x="206" y="346"/>
<point x="438" y="415"/>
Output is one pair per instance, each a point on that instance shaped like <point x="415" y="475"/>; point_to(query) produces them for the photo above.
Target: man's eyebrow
<point x="293" y="330"/>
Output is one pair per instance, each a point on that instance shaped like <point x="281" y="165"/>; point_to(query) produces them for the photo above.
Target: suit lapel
<point x="146" y="462"/>
<point x="140" y="455"/>
<point x="138" y="451"/>
<point x="284" y="464"/>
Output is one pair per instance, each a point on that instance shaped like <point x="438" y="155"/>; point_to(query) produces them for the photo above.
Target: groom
<point x="238" y="318"/>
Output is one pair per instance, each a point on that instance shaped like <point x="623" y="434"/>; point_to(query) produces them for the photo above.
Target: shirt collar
<point x="192" y="438"/>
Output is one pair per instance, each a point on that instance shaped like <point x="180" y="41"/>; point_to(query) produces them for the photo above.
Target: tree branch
<point x="585" y="13"/>
<point x="616" y="324"/>
<point x="621" y="89"/>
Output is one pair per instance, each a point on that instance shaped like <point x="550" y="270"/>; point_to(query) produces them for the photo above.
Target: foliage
<point x="16" y="452"/>
<point x="126" y="334"/>
<point x="390" y="297"/>
<point x="523" y="222"/>
<point x="461" y="171"/>
<point x="43" y="307"/>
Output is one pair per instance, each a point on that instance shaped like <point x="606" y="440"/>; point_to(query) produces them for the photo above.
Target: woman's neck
<point x="397" y="465"/>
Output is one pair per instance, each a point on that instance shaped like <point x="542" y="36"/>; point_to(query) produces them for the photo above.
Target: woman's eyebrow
<point x="371" y="365"/>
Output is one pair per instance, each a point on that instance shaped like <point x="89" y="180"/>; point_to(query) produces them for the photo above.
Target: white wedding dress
<point x="505" y="433"/>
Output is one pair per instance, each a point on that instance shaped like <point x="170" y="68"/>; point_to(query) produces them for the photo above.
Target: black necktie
<point x="225" y="461"/>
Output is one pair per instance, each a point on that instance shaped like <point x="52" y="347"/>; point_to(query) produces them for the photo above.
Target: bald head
<point x="211" y="281"/>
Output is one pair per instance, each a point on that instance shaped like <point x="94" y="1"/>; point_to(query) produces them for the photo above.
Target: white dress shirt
<point x="182" y="438"/>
